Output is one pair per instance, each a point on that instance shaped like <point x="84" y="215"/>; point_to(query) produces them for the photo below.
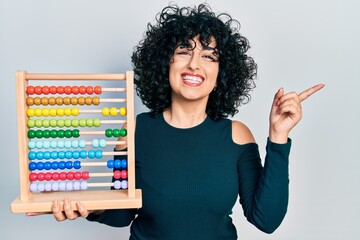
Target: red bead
<point x="75" y="90"/>
<point x="45" y="90"/>
<point x="38" y="90"/>
<point x="117" y="174"/>
<point x="55" y="176"/>
<point x="82" y="89"/>
<point x="85" y="175"/>
<point x="48" y="176"/>
<point x="124" y="174"/>
<point x="41" y="176"/>
<point x="60" y="90"/>
<point x="77" y="175"/>
<point x="89" y="90"/>
<point x="67" y="90"/>
<point x="30" y="90"/>
<point x="52" y="90"/>
<point x="32" y="177"/>
<point x="62" y="176"/>
<point x="97" y="90"/>
<point x="70" y="176"/>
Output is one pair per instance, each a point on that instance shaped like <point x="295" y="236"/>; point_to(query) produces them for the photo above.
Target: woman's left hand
<point x="286" y="112"/>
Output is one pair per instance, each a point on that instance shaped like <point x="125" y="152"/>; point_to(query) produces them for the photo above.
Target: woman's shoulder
<point x="241" y="134"/>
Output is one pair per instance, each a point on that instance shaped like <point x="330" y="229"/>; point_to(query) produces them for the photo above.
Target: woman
<point x="192" y="163"/>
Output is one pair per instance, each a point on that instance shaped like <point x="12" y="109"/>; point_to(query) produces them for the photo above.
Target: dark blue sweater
<point x="191" y="178"/>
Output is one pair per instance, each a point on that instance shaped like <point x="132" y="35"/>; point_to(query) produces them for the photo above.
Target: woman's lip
<point x="193" y="75"/>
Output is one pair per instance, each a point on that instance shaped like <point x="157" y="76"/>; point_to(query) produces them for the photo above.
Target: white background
<point x="296" y="44"/>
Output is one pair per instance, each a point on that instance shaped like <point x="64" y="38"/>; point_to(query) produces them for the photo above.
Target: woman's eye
<point x="210" y="58"/>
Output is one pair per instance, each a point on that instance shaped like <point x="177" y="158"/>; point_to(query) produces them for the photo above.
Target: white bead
<point x="53" y="144"/>
<point x="83" y="185"/>
<point x="67" y="144"/>
<point x="55" y="186"/>
<point x="39" y="144"/>
<point x="77" y="185"/>
<point x="31" y="144"/>
<point x="82" y="143"/>
<point x="117" y="184"/>
<point x="62" y="186"/>
<point x="48" y="186"/>
<point x="33" y="187"/>
<point x="124" y="184"/>
<point x="46" y="144"/>
<point x="40" y="187"/>
<point x="69" y="186"/>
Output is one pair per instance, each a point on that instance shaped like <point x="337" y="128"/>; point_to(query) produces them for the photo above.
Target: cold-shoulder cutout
<point x="241" y="134"/>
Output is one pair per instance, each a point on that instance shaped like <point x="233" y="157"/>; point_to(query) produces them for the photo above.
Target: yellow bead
<point x="123" y="111"/>
<point x="45" y="112"/>
<point x="67" y="111"/>
<point x="38" y="112"/>
<point x="52" y="112"/>
<point x="113" y="111"/>
<point x="105" y="111"/>
<point x="30" y="112"/>
<point x="75" y="111"/>
<point x="60" y="112"/>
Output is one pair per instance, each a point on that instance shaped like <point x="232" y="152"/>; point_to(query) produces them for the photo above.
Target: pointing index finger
<point x="307" y="93"/>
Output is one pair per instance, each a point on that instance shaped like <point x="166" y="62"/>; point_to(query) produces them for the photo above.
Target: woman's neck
<point x="184" y="116"/>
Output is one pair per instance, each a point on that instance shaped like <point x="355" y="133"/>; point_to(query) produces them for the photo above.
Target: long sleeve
<point x="264" y="191"/>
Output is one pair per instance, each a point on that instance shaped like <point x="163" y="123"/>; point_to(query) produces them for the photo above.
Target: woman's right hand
<point x="67" y="213"/>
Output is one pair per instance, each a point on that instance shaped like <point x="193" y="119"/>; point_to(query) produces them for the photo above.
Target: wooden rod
<point x="65" y="76"/>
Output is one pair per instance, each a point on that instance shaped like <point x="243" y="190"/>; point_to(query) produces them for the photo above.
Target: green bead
<point x="68" y="133"/>
<point x="97" y="122"/>
<point x="75" y="122"/>
<point x="53" y="123"/>
<point x="39" y="133"/>
<point x="31" y="123"/>
<point x="67" y="122"/>
<point x="82" y="122"/>
<point x="116" y="132"/>
<point x="76" y="133"/>
<point x="61" y="133"/>
<point x="123" y="132"/>
<point x="53" y="134"/>
<point x="46" y="133"/>
<point x="46" y="123"/>
<point x="89" y="122"/>
<point x="38" y="123"/>
<point x="108" y="133"/>
<point x="60" y="123"/>
<point x="31" y="134"/>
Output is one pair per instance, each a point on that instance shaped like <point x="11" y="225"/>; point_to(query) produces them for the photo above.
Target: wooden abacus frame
<point x="92" y="199"/>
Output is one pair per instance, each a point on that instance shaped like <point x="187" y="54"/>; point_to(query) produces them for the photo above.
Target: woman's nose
<point x="194" y="62"/>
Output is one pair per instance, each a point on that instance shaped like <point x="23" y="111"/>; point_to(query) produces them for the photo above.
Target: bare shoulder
<point x="241" y="134"/>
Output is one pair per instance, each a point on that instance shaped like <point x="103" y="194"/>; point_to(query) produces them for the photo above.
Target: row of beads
<point x="54" y="165"/>
<point x="53" y="133"/>
<point x="38" y="90"/>
<point x="65" y="154"/>
<point x="53" y="112"/>
<point x="89" y="122"/>
<point x="66" y="144"/>
<point x="44" y="101"/>
<point x="70" y="186"/>
<point x="115" y="132"/>
<point x="55" y="176"/>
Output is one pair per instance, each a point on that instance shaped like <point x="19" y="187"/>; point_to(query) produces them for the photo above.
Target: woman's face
<point x="194" y="70"/>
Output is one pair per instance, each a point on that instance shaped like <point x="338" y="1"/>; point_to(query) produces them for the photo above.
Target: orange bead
<point x="88" y="101"/>
<point x="74" y="101"/>
<point x="96" y="100"/>
<point x="67" y="100"/>
<point x="29" y="101"/>
<point x="59" y="101"/>
<point x="52" y="101"/>
<point x="44" y="101"/>
<point x="37" y="101"/>
<point x="81" y="101"/>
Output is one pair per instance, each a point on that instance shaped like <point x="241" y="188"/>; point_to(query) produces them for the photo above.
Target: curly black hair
<point x="151" y="58"/>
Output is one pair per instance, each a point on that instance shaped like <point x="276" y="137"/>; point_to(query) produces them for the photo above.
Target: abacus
<point x="56" y="141"/>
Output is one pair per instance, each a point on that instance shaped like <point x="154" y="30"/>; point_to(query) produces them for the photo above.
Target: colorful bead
<point x="123" y="111"/>
<point x="30" y="112"/>
<point x="29" y="101"/>
<point x="30" y="90"/>
<point x="123" y="132"/>
<point x="67" y="90"/>
<point x="82" y="143"/>
<point x="67" y="112"/>
<point x="52" y="90"/>
<point x="75" y="111"/>
<point x="108" y="133"/>
<point x="95" y="143"/>
<point x="102" y="143"/>
<point x="97" y="90"/>
<point x="96" y="101"/>
<point x="88" y="101"/>
<point x="82" y="89"/>
<point x="105" y="111"/>
<point x="67" y="101"/>
<point x="97" y="122"/>
<point x="113" y="111"/>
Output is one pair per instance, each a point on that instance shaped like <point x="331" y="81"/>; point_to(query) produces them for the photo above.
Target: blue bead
<point x="32" y="166"/>
<point x="91" y="154"/>
<point x="69" y="164"/>
<point x="54" y="155"/>
<point x="95" y="143"/>
<point x="32" y="155"/>
<point x="39" y="144"/>
<point x="83" y="154"/>
<point x="123" y="163"/>
<point x="39" y="166"/>
<point x="67" y="144"/>
<point x="46" y="144"/>
<point x="40" y="155"/>
<point x="76" y="154"/>
<point x="53" y="144"/>
<point x="60" y="144"/>
<point x="54" y="165"/>
<point x="102" y="143"/>
<point x="98" y="154"/>
<point x="47" y="165"/>
<point x="68" y="154"/>
<point x="82" y="143"/>
<point x="31" y="144"/>
<point x="61" y="165"/>
<point x="110" y="164"/>
<point x="117" y="164"/>
<point x="47" y="155"/>
<point x="61" y="154"/>
<point x="75" y="143"/>
<point x="77" y="164"/>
